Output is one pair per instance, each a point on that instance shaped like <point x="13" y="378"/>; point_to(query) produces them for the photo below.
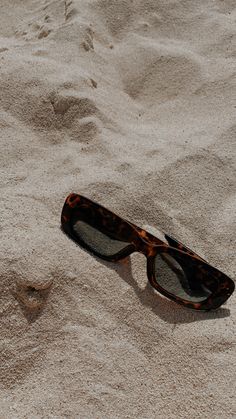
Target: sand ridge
<point x="131" y="103"/>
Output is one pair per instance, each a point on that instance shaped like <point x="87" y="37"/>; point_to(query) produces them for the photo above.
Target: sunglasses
<point x="172" y="269"/>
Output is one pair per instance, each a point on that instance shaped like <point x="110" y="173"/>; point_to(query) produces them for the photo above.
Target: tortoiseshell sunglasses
<point x="172" y="269"/>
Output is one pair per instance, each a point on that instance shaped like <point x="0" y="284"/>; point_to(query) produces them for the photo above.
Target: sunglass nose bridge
<point x="145" y="247"/>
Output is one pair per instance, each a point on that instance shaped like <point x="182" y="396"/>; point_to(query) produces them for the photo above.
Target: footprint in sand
<point x="29" y="288"/>
<point x="44" y="32"/>
<point x="81" y="106"/>
<point x="155" y="71"/>
<point x="77" y="113"/>
<point x="70" y="9"/>
<point x="86" y="31"/>
<point x="33" y="295"/>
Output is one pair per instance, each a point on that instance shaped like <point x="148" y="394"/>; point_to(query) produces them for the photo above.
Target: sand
<point x="132" y="104"/>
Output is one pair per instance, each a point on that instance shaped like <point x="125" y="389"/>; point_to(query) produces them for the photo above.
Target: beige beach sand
<point x="133" y="104"/>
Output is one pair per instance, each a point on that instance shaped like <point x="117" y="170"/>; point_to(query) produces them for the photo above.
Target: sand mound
<point x="131" y="103"/>
<point x="156" y="71"/>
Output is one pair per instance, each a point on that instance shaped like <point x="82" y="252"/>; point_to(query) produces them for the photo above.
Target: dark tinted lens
<point x="98" y="241"/>
<point x="180" y="281"/>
